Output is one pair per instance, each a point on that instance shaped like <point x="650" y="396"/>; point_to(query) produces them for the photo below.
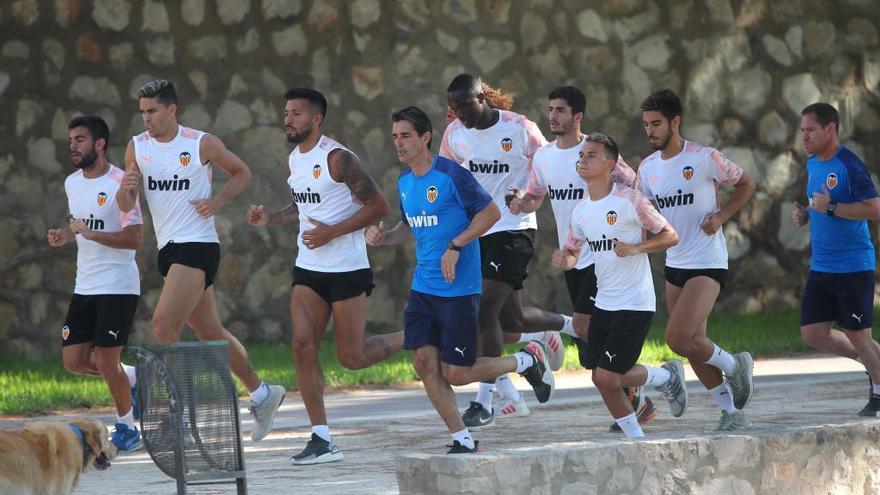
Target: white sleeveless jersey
<point x="624" y="283"/>
<point x="319" y="197"/>
<point x="685" y="189"/>
<point x="101" y="269"/>
<point x="499" y="157"/>
<point x="173" y="175"/>
<point x="554" y="173"/>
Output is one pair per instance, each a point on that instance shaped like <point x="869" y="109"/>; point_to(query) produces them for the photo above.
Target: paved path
<point x="373" y="427"/>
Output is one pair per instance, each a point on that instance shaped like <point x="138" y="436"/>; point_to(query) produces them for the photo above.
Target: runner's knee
<point x="456" y="376"/>
<point x="353" y="360"/>
<point x="426" y="366"/>
<point x="76" y="365"/>
<point x="106" y="361"/>
<point x="606" y="380"/>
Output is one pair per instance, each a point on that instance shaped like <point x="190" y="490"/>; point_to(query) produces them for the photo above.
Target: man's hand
<point x="799" y="215"/>
<point x="207" y="208"/>
<point x="447" y="264"/>
<point x="258" y="215"/>
<point x="563" y="259"/>
<point x="623" y="249"/>
<point x="820" y="201"/>
<point x="78" y="226"/>
<point x="375" y="234"/>
<point x="514" y="199"/>
<point x="712" y="223"/>
<point x="320" y="235"/>
<point x="131" y="181"/>
<point x="58" y="237"/>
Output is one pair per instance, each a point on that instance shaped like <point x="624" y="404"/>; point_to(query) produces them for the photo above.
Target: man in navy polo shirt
<point x="840" y="287"/>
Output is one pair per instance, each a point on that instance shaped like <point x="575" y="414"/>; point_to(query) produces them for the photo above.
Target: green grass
<point x="40" y="387"/>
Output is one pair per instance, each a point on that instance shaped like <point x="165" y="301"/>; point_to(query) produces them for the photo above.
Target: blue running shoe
<point x="125" y="438"/>
<point x="135" y="409"/>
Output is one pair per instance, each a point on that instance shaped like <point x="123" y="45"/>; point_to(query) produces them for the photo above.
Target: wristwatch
<point x="453" y="247"/>
<point x="830" y="210"/>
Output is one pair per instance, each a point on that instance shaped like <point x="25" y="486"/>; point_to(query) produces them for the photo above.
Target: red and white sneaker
<point x="555" y="349"/>
<point x="509" y="408"/>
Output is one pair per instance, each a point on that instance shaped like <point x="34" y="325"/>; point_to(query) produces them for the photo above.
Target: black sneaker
<point x="317" y="451"/>
<point x="872" y="408"/>
<point x="476" y="416"/>
<point x="539" y="375"/>
<point x="458" y="448"/>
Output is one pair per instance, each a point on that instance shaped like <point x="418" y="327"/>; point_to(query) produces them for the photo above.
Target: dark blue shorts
<point x="845" y="298"/>
<point x="447" y="323"/>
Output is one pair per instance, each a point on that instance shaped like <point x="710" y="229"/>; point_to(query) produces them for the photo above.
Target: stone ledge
<point x="842" y="458"/>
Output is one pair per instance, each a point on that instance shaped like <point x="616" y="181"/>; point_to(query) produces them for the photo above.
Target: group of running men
<point x="470" y="210"/>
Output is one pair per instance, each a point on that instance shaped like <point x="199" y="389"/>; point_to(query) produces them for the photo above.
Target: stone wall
<point x="838" y="459"/>
<point x="744" y="68"/>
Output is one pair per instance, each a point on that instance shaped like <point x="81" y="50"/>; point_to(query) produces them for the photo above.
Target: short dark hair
<point x="612" y="152"/>
<point x="825" y="114"/>
<point x="465" y="82"/>
<point x="573" y="96"/>
<point x="315" y="98"/>
<point x="160" y="89"/>
<point x="663" y="101"/>
<point x="419" y="120"/>
<point x="98" y="129"/>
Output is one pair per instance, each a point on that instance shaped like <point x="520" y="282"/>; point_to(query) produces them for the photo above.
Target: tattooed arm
<point x="258" y="215"/>
<point x="345" y="167"/>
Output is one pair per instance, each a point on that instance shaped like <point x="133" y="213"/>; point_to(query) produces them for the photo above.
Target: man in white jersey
<point x="108" y="285"/>
<point x="682" y="178"/>
<point x="611" y="222"/>
<point x="176" y="165"/>
<point x="333" y="199"/>
<point x="554" y="174"/>
<point x="497" y="146"/>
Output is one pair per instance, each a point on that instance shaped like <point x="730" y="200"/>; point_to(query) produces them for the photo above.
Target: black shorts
<point x="105" y="320"/>
<point x="845" y="298"/>
<point x="582" y="288"/>
<point x="202" y="255"/>
<point x="615" y="339"/>
<point x="447" y="323"/>
<point x="505" y="256"/>
<point x="679" y="276"/>
<point x="335" y="286"/>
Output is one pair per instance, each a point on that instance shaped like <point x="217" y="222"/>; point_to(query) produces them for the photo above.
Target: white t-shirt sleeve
<point x="537" y="186"/>
<point x="624" y="174"/>
<point x="576" y="236"/>
<point x="648" y="216"/>
<point x="447" y="148"/>
<point x="724" y="171"/>
<point x="534" y="139"/>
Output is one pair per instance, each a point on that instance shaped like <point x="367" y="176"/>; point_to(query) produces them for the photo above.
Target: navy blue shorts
<point x="845" y="298"/>
<point x="447" y="323"/>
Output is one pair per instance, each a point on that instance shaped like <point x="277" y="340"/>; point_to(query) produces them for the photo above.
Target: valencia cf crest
<point x="611" y="217"/>
<point x="432" y="194"/>
<point x="316" y="171"/>
<point x="831" y="180"/>
<point x="687" y="172"/>
<point x="507" y="144"/>
<point x="102" y="199"/>
<point x="65" y="332"/>
<point x="185" y="158"/>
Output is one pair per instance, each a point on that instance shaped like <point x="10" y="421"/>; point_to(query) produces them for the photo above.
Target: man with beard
<point x="334" y="199"/>
<point x="108" y="285"/>
<point x="177" y="163"/>
<point x="683" y="179"/>
<point x="497" y="146"/>
<point x="554" y="173"/>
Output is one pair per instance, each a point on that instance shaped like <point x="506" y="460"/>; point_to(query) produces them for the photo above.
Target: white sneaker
<point x="509" y="408"/>
<point x="264" y="412"/>
<point x="556" y="348"/>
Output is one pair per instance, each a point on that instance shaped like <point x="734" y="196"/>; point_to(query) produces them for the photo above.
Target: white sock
<point x="657" y="376"/>
<point x="630" y="426"/>
<point x="484" y="395"/>
<point x="523" y="361"/>
<point x="722" y="360"/>
<point x="875" y="389"/>
<point x="528" y="337"/>
<point x="464" y="438"/>
<point x="322" y="431"/>
<point x="131" y="373"/>
<point x="567" y="327"/>
<point x="507" y="389"/>
<point x="126" y="419"/>
<point x="260" y="394"/>
<point x="723" y="397"/>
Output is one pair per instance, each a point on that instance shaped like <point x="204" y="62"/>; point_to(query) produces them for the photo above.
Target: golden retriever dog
<point x="47" y="458"/>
